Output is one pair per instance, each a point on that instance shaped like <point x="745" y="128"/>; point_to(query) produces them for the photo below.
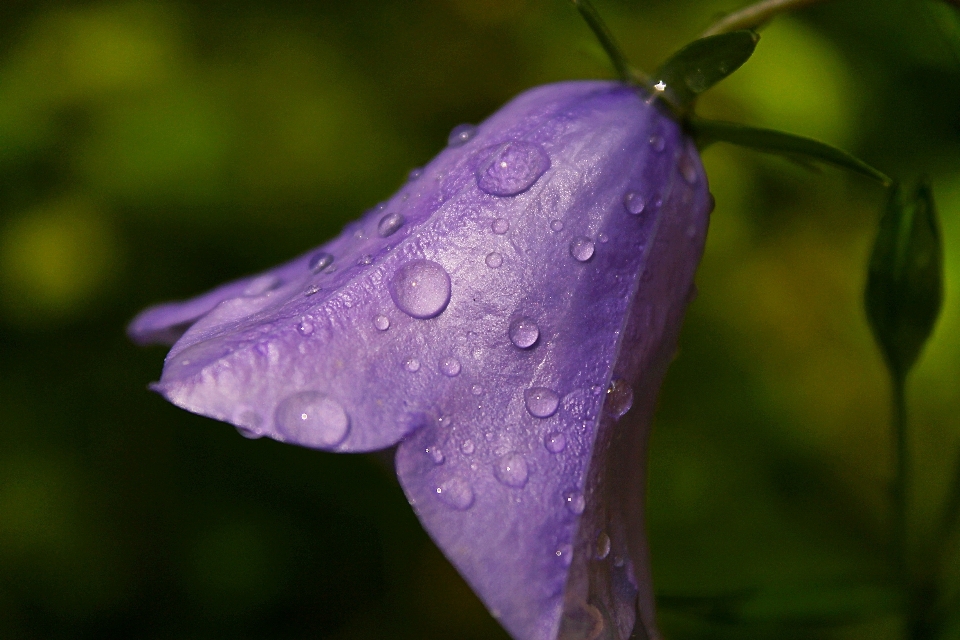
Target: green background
<point x="151" y="150"/>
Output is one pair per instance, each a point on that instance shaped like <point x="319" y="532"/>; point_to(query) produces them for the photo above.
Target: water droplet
<point x="603" y="545"/>
<point x="476" y="390"/>
<point x="467" y="447"/>
<point x="634" y="202"/>
<point x="365" y="260"/>
<point x="658" y="143"/>
<point x="500" y="226"/>
<point x="414" y="175"/>
<point x="688" y="169"/>
<point x="524" y="332"/>
<point x="603" y="238"/>
<point x="512" y="470"/>
<point x="381" y="322"/>
<point x="461" y="134"/>
<point x="305" y="328"/>
<point x="249" y="425"/>
<point x="456" y="493"/>
<point x="512" y="168"/>
<point x="541" y="402"/>
<point x="311" y="290"/>
<point x="494" y="260"/>
<point x="691" y="231"/>
<point x="435" y="454"/>
<point x="312" y="419"/>
<point x="389" y="224"/>
<point x="618" y="561"/>
<point x="555" y="442"/>
<point x="445" y="421"/>
<point x="575" y="502"/>
<point x="556" y="225"/>
<point x="450" y="367"/>
<point x="421" y="289"/>
<point x="581" y="248"/>
<point x="565" y="553"/>
<point x="412" y="365"/>
<point x="319" y="261"/>
<point x="260" y="285"/>
<point x="619" y="397"/>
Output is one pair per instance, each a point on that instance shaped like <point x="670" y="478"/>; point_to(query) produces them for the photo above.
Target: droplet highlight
<point x="512" y="168"/>
<point x="456" y="493"/>
<point x="461" y="135"/>
<point x="319" y="261"/>
<point x="305" y="328"/>
<point x="412" y="365"/>
<point x="524" y="333"/>
<point x="541" y="402"/>
<point x="555" y="442"/>
<point x="389" y="224"/>
<point x="556" y="225"/>
<point x="581" y="248"/>
<point x="634" y="203"/>
<point x="381" y="322"/>
<point x="450" y="367"/>
<point x="512" y="470"/>
<point x="421" y="289"/>
<point x="312" y="419"/>
<point x="575" y="502"/>
<point x="619" y="398"/>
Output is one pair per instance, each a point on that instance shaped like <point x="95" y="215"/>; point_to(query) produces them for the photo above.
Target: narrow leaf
<point x="905" y="279"/>
<point x="703" y="63"/>
<point x="606" y="39"/>
<point x="709" y="131"/>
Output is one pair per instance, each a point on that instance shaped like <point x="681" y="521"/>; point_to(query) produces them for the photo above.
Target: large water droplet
<point x="603" y="545"/>
<point x="634" y="203"/>
<point x="581" y="248"/>
<point x="555" y="442"/>
<point x="512" y="470"/>
<point x="312" y="419"/>
<point x="500" y="226"/>
<point x="450" y="366"/>
<point x="412" y="365"/>
<point x="319" y="261"/>
<point x="524" y="332"/>
<point x="456" y="493"/>
<point x="461" y="134"/>
<point x="381" y="322"/>
<point x="541" y="402"/>
<point x="619" y="397"/>
<point x="494" y="260"/>
<point x="389" y="224"/>
<point x="575" y="502"/>
<point x="421" y="289"/>
<point x="512" y="168"/>
<point x="467" y="447"/>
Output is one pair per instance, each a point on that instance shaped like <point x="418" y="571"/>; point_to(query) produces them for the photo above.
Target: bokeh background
<point x="152" y="149"/>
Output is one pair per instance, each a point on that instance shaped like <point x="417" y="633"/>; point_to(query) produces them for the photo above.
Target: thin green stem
<point x="756" y="15"/>
<point x="901" y="476"/>
<point x="619" y="60"/>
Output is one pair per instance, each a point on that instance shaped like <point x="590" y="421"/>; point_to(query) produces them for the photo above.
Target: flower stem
<point x="900" y="478"/>
<point x="756" y="15"/>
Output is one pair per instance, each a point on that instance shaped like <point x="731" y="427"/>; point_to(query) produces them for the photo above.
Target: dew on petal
<point x="556" y="225"/>
<point x="603" y="238"/>
<point x="319" y="261"/>
<point x="414" y="175"/>
<point x="512" y="471"/>
<point x="467" y="447"/>
<point x="524" y="332"/>
<point x="575" y="502"/>
<point x="365" y="260"/>
<point x="541" y="402"/>
<point x="389" y="224"/>
<point x="634" y="203"/>
<point x="461" y="134"/>
<point x="445" y="421"/>
<point x="565" y="554"/>
<point x="619" y="397"/>
<point x="421" y="289"/>
<point x="658" y="143"/>
<point x="312" y="290"/>
<point x="261" y="285"/>
<point x="381" y="322"/>
<point x="512" y="168"/>
<point x="687" y="169"/>
<point x="494" y="260"/>
<point x="450" y="366"/>
<point x="305" y="328"/>
<point x="555" y="442"/>
<point x="603" y="545"/>
<point x="476" y="390"/>
<point x="581" y="248"/>
<point x="412" y="365"/>
<point x="456" y="493"/>
<point x="500" y="226"/>
<point x="435" y="454"/>
<point x="312" y="419"/>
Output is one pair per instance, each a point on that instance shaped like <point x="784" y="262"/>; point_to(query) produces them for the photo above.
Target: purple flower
<point x="498" y="318"/>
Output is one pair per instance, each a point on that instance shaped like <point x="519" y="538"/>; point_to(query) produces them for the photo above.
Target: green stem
<point x="619" y="60"/>
<point x="756" y="15"/>
<point x="900" y="478"/>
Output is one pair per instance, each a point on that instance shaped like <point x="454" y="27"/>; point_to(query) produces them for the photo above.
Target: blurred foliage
<point x="152" y="149"/>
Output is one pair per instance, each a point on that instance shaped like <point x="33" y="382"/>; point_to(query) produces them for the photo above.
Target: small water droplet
<point x="311" y="290"/>
<point x="524" y="332"/>
<point x="658" y="143"/>
<point x="445" y="421"/>
<point x="556" y="225"/>
<point x="421" y="289"/>
<point x="415" y="174"/>
<point x="488" y="436"/>
<point x="500" y="226"/>
<point x="555" y="442"/>
<point x="575" y="502"/>
<point x="381" y="322"/>
<point x="450" y="367"/>
<point x="389" y="224"/>
<point x="581" y="248"/>
<point x="603" y="545"/>
<point x="467" y="447"/>
<point x="634" y="203"/>
<point x="541" y="402"/>
<point x="476" y="390"/>
<point x="412" y="365"/>
<point x="619" y="398"/>
<point x="603" y="238"/>
<point x="512" y="168"/>
<point x="456" y="493"/>
<point x="249" y="425"/>
<point x="461" y="134"/>
<point x="494" y="260"/>
<point x="312" y="419"/>
<point x="319" y="261"/>
<point x="365" y="260"/>
<point x="512" y="470"/>
<point x="305" y="328"/>
<point x="435" y="454"/>
<point x="688" y="169"/>
<point x="565" y="553"/>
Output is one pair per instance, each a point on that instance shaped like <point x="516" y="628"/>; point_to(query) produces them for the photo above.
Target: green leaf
<point x="905" y="279"/>
<point x="703" y="63"/>
<point x="787" y="144"/>
<point x="619" y="60"/>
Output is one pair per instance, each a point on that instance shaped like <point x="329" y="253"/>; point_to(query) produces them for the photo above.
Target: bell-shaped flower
<point x="506" y="318"/>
